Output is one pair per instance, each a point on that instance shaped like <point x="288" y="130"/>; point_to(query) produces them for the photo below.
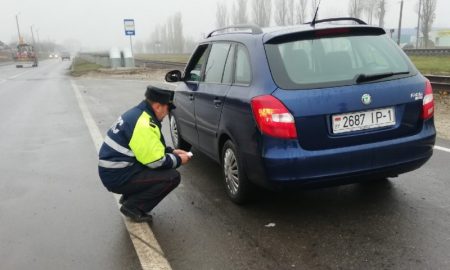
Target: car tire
<point x="236" y="182"/>
<point x="178" y="142"/>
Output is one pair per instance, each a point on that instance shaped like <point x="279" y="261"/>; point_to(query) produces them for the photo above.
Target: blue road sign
<point x="129" y="27"/>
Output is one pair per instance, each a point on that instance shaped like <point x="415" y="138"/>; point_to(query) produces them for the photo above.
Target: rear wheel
<point x="178" y="142"/>
<point x="236" y="182"/>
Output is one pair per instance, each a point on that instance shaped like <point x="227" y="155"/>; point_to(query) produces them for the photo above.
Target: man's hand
<point x="179" y="151"/>
<point x="185" y="157"/>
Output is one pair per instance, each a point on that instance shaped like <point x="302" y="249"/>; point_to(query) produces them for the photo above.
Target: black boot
<point x="135" y="215"/>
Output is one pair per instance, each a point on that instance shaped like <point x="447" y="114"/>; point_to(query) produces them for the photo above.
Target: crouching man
<point x="134" y="160"/>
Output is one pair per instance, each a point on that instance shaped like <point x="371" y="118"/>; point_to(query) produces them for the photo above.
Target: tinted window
<point x="243" y="74"/>
<point x="216" y="62"/>
<point x="333" y="61"/>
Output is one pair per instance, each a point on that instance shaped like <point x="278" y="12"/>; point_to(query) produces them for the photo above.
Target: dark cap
<point x="159" y="95"/>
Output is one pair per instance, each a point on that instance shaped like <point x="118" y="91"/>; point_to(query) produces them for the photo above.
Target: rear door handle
<point x="191" y="97"/>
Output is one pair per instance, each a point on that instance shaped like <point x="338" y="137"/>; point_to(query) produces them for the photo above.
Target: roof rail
<point x="255" y="29"/>
<point x="338" y="19"/>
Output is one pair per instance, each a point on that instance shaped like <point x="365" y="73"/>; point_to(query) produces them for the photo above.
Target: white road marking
<point x="147" y="248"/>
<point x="20" y="74"/>
<point x="442" y="148"/>
<point x="13" y="77"/>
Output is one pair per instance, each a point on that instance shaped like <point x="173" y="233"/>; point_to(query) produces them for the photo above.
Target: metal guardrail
<point x="434" y="51"/>
<point x="159" y="64"/>
<point x="439" y="82"/>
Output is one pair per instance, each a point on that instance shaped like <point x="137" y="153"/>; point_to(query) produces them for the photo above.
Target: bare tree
<point x="355" y="8"/>
<point x="240" y="12"/>
<point x="281" y="10"/>
<point x="262" y="11"/>
<point x="178" y="39"/>
<point x="314" y="4"/>
<point x="380" y="12"/>
<point x="154" y="43"/>
<point x="169" y="36"/>
<point x="290" y="12"/>
<point x="301" y="11"/>
<point x="221" y="15"/>
<point x="369" y="7"/>
<point x="164" y="39"/>
<point x="427" y="16"/>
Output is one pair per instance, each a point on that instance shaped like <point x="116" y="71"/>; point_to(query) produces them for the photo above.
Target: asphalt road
<point x="55" y="213"/>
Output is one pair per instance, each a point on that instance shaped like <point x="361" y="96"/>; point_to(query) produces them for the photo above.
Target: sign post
<point x="129" y="30"/>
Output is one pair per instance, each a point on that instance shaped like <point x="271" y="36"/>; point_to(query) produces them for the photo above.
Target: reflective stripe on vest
<point x="174" y="160"/>
<point x="114" y="164"/>
<point x="157" y="163"/>
<point x="119" y="148"/>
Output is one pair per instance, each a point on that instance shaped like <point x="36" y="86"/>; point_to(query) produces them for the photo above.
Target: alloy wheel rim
<point x="174" y="132"/>
<point x="231" y="171"/>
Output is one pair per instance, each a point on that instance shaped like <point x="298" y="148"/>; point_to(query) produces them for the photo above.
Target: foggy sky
<point x="98" y="24"/>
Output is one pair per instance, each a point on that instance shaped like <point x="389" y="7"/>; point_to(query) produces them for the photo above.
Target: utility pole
<point x="39" y="41"/>
<point x="18" y="29"/>
<point x="32" y="35"/>
<point x="418" y="24"/>
<point x="131" y="46"/>
<point x="400" y="23"/>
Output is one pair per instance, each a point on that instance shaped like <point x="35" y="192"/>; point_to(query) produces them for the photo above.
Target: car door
<point x="210" y="95"/>
<point x="185" y="95"/>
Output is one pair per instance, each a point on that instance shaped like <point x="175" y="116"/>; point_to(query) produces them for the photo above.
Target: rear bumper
<point x="25" y="61"/>
<point x="285" y="162"/>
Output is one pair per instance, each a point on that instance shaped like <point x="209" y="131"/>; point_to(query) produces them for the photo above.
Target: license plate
<point x="363" y="120"/>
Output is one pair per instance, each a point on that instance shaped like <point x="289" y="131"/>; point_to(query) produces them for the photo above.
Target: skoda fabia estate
<point x="299" y="105"/>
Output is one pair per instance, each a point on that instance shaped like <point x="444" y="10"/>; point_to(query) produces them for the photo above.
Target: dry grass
<point x="81" y="67"/>
<point x="435" y="65"/>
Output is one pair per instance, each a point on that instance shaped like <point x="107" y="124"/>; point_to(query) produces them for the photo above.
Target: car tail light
<point x="273" y="118"/>
<point x="428" y="102"/>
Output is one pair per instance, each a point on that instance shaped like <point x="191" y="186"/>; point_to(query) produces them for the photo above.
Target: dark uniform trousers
<point x="146" y="189"/>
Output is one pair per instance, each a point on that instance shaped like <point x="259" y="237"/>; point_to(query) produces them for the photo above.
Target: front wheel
<point x="236" y="182"/>
<point x="178" y="142"/>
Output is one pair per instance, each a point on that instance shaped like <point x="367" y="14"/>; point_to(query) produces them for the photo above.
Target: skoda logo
<point x="366" y="99"/>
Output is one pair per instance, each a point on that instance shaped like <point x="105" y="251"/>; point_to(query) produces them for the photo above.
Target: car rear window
<point x="334" y="61"/>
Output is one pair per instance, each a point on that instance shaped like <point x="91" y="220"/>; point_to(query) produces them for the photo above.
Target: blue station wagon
<point x="319" y="103"/>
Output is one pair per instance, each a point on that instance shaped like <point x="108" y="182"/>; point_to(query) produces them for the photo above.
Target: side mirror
<point x="173" y="76"/>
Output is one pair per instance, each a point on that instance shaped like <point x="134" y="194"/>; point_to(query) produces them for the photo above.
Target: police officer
<point x="134" y="160"/>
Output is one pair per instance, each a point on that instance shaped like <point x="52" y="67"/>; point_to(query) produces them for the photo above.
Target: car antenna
<point x="313" y="23"/>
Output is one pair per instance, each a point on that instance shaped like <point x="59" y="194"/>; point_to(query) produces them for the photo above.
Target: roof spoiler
<point x="359" y="21"/>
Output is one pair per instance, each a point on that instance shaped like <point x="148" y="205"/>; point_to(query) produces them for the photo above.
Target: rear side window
<point x="216" y="62"/>
<point x="243" y="74"/>
<point x="333" y="61"/>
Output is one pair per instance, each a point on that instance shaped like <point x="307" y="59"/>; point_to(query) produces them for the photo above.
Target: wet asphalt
<point x="55" y="213"/>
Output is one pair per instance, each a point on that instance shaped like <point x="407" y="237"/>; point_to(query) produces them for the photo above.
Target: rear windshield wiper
<point x="372" y="77"/>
